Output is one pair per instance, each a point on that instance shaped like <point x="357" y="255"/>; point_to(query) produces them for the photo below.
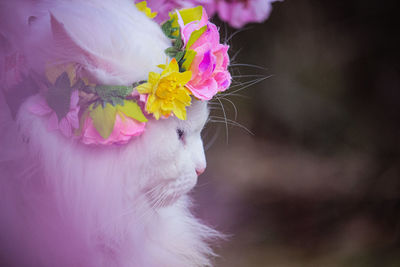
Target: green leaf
<point x="113" y="94"/>
<point x="82" y="120"/>
<point x="58" y="97"/>
<point x="89" y="89"/>
<point x="103" y="118"/>
<point x="169" y="30"/>
<point x="132" y="110"/>
<point x="188" y="59"/>
<point x="179" y="55"/>
<point x="195" y="36"/>
<point x="178" y="44"/>
<point x="117" y="101"/>
<point x="167" y="27"/>
<point x="80" y="85"/>
<point x="136" y="84"/>
<point x="171" y="51"/>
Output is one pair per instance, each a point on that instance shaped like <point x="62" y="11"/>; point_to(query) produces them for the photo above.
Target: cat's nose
<point x="200" y="171"/>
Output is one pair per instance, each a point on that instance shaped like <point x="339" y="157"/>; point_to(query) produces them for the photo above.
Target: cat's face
<point x="165" y="161"/>
<point x="170" y="155"/>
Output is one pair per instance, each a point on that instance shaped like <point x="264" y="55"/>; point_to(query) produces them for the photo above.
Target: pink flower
<point x="209" y="68"/>
<point x="240" y="12"/>
<point x="164" y="7"/>
<point x="124" y="129"/>
<point x="236" y="12"/>
<point x="66" y="124"/>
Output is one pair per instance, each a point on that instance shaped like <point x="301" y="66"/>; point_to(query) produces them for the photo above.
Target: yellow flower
<point x="188" y="15"/>
<point x="55" y="71"/>
<point x="167" y="92"/>
<point x="142" y="6"/>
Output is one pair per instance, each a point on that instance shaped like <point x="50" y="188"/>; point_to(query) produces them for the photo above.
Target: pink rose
<point x="240" y="12"/>
<point x="164" y="7"/>
<point x="124" y="129"/>
<point x="209" y="68"/>
<point x="66" y="124"/>
<point x="236" y="12"/>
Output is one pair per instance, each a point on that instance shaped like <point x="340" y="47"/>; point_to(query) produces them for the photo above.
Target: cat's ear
<point x="72" y="49"/>
<point x="65" y="42"/>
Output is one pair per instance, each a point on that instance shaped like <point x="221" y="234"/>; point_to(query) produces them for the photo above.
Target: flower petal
<point x="65" y="127"/>
<point x="39" y="106"/>
<point x="52" y="123"/>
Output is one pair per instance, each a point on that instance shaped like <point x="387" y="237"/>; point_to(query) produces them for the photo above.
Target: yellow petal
<point x="154" y="77"/>
<point x="142" y="6"/>
<point x="153" y="104"/>
<point x="188" y="15"/>
<point x="195" y="36"/>
<point x="166" y="113"/>
<point x="103" y="119"/>
<point x="188" y="58"/>
<point x="132" y="110"/>
<point x="171" y="68"/>
<point x="87" y="82"/>
<point x="180" y="111"/>
<point x="167" y="105"/>
<point x="184" y="97"/>
<point x="157" y="114"/>
<point x="71" y="71"/>
<point x="145" y="88"/>
<point x="122" y="116"/>
<point x="150" y="101"/>
<point x="54" y="71"/>
<point x="184" y="77"/>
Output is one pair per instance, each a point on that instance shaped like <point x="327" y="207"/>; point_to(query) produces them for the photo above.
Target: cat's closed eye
<point x="180" y="133"/>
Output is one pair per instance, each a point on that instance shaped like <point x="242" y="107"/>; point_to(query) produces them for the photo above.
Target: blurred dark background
<point x="316" y="182"/>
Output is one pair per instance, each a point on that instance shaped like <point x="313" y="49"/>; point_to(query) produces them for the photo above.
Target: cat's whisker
<point x="241" y="84"/>
<point x="247" y="65"/>
<point x="164" y="199"/>
<point x="215" y="108"/>
<point x="154" y="202"/>
<point x="225" y="32"/>
<point x="236" y="95"/>
<point x="153" y="193"/>
<point x="251" y="84"/>
<point x="226" y="120"/>
<point x="31" y="170"/>
<point x="124" y="214"/>
<point x="236" y="32"/>
<point x="248" y="76"/>
<point x="232" y="103"/>
<point x="200" y="185"/>
<point x="248" y="82"/>
<point x="232" y="123"/>
<point x="214" y="105"/>
<point x="222" y="119"/>
<point x="152" y="190"/>
<point x="212" y="141"/>
<point x="236" y="54"/>
<point x="160" y="201"/>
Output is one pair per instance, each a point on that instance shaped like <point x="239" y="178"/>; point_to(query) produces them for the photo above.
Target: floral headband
<point x="103" y="114"/>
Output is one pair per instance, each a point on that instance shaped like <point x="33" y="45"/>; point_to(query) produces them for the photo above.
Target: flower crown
<point x="103" y="114"/>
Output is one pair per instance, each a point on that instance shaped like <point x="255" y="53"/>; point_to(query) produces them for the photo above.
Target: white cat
<point x="63" y="203"/>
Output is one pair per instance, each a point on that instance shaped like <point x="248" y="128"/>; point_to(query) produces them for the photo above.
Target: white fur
<point x="66" y="204"/>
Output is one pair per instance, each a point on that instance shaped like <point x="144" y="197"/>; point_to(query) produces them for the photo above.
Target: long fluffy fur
<point x="66" y="204"/>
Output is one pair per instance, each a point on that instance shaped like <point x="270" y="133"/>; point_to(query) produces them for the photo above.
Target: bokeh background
<point x="307" y="172"/>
